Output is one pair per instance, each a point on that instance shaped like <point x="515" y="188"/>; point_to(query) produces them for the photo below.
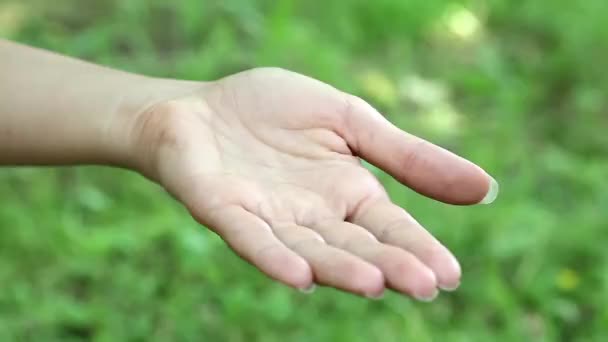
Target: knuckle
<point x="413" y="158"/>
<point x="312" y="239"/>
<point x="263" y="73"/>
<point x="344" y="112"/>
<point x="359" y="183"/>
<point x="349" y="105"/>
<point x="353" y="103"/>
<point x="361" y="238"/>
<point x="434" y="248"/>
<point x="350" y="119"/>
<point x="275" y="70"/>
<point x="353" y="268"/>
<point x="402" y="267"/>
<point x="391" y="228"/>
<point x="267" y="252"/>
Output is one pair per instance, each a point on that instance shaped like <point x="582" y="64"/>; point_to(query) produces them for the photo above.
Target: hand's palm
<point x="270" y="161"/>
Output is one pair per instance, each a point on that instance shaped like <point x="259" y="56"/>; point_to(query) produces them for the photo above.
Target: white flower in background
<point x="444" y="120"/>
<point x="423" y="92"/>
<point x="435" y="110"/>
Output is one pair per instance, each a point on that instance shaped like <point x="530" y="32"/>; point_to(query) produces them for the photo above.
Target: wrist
<point x="56" y="110"/>
<point x="141" y="117"/>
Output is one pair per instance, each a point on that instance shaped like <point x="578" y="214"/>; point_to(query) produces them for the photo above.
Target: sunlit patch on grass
<point x="459" y="23"/>
<point x="567" y="279"/>
<point x="379" y="87"/>
<point x="462" y="22"/>
<point x="12" y="16"/>
<point x="443" y="120"/>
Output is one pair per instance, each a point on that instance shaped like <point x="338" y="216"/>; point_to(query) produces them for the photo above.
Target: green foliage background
<point x="519" y="87"/>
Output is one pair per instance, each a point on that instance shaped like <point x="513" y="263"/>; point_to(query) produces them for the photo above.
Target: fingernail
<point x="429" y="298"/>
<point x="492" y="192"/>
<point x="376" y="296"/>
<point x="308" y="290"/>
<point x="449" y="288"/>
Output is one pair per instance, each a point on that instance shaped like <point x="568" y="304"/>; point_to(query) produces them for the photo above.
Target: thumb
<point x="424" y="167"/>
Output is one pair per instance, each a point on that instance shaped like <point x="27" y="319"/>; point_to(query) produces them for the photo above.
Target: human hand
<point x="267" y="158"/>
<point x="271" y="161"/>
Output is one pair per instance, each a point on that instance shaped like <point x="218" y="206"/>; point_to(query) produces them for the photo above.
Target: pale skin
<point x="268" y="159"/>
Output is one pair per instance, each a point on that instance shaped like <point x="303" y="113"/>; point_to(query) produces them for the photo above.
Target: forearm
<point x="59" y="110"/>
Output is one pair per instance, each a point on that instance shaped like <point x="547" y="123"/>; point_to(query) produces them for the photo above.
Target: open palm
<point x="271" y="161"/>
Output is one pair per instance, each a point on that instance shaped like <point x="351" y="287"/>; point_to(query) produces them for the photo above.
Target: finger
<point x="422" y="166"/>
<point x="402" y="270"/>
<point x="252" y="239"/>
<point x="393" y="225"/>
<point x="332" y="266"/>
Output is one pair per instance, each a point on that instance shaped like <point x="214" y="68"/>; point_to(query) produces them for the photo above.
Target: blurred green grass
<point x="519" y="87"/>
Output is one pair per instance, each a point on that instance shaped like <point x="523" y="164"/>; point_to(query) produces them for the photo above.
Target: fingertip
<point x="298" y="274"/>
<point x="375" y="286"/>
<point x="424" y="288"/>
<point x="287" y="267"/>
<point x="467" y="185"/>
<point x="450" y="275"/>
<point x="450" y="288"/>
<point x="412" y="277"/>
<point x="446" y="268"/>
<point x="308" y="290"/>
<point x="447" y="177"/>
<point x="428" y="298"/>
<point x="492" y="192"/>
<point x="368" y="281"/>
